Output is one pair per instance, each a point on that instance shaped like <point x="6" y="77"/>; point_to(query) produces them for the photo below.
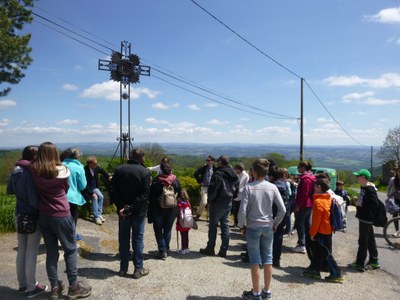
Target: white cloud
<point x="69" y="87"/>
<point x="68" y="122"/>
<point x="5" y="122"/>
<point x="210" y="104"/>
<point x="156" y="121"/>
<point x="7" y="103"/>
<point x="175" y="105"/>
<point x="323" y="120"/>
<point x="394" y="40"/>
<point x="109" y="90"/>
<point x="387" y="80"/>
<point x="159" y="105"/>
<point x="217" y="122"/>
<point x="193" y="107"/>
<point x="356" y="96"/>
<point x="387" y="15"/>
<point x="380" y="102"/>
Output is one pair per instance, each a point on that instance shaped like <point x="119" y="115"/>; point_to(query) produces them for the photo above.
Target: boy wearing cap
<point x="367" y="205"/>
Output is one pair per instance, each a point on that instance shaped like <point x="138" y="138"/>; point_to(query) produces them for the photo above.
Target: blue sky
<point x="347" y="51"/>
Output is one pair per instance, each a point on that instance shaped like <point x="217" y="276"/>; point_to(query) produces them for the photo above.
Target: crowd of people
<point x="51" y="188"/>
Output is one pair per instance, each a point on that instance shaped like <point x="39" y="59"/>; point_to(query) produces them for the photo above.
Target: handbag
<point x="391" y="205"/>
<point x="26" y="223"/>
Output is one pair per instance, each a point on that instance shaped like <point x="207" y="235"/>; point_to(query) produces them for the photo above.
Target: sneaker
<point x="276" y="264"/>
<point x="335" y="279"/>
<point x="102" y="219"/>
<point x="222" y="253"/>
<point x="299" y="249"/>
<point x="98" y="221"/>
<point x="57" y="291"/>
<point x="356" y="266"/>
<point x="22" y="290"/>
<point x="207" y="251"/>
<point x="249" y="295"/>
<point x="266" y="295"/>
<point x="140" y="273"/>
<point x="311" y="274"/>
<point x="122" y="273"/>
<point x="78" y="290"/>
<point x="78" y="237"/>
<point x="183" y="251"/>
<point x="39" y="289"/>
<point x="372" y="266"/>
<point x="162" y="255"/>
<point x="396" y="234"/>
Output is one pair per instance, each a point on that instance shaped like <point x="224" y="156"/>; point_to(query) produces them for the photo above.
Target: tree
<point x="390" y="149"/>
<point x="154" y="152"/>
<point x="14" y="49"/>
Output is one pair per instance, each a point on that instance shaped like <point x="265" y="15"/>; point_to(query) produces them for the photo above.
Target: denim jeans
<point x="162" y="225"/>
<point x="131" y="227"/>
<point x="303" y="224"/>
<point x="366" y="243"/>
<point x="259" y="245"/>
<point x="28" y="246"/>
<point x="97" y="204"/>
<point x="221" y="215"/>
<point x="61" y="229"/>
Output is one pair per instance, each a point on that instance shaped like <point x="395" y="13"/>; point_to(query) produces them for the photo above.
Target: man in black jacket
<point x="130" y="193"/>
<point x="223" y="188"/>
<point x="203" y="176"/>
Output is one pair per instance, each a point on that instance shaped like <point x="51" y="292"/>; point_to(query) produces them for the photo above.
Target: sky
<point x="221" y="72"/>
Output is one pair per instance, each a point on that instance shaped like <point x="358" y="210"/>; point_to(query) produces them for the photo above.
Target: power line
<point x="273" y="115"/>
<point x="246" y="40"/>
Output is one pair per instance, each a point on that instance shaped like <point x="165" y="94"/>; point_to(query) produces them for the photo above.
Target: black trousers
<point x="366" y="243"/>
<point x="184" y="239"/>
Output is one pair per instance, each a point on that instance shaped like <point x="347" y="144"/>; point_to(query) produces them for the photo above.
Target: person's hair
<point x="46" y="161"/>
<point x="223" y="160"/>
<point x="165" y="159"/>
<point x="261" y="167"/>
<point x="306" y="164"/>
<point x="185" y="195"/>
<point x="137" y="154"/>
<point x="210" y="157"/>
<point x="29" y="152"/>
<point x="339" y="182"/>
<point x="91" y="159"/>
<point x="322" y="175"/>
<point x="165" y="168"/>
<point x="285" y="173"/>
<point x="396" y="181"/>
<point x="73" y="153"/>
<point x="239" y="166"/>
<point x="323" y="182"/>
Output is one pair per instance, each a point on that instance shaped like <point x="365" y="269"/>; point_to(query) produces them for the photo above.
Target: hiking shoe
<point x="266" y="295"/>
<point x="311" y="274"/>
<point x="299" y="249"/>
<point x="207" y="251"/>
<point x="98" y="221"/>
<point x="57" y="291"/>
<point x="39" y="289"/>
<point x="356" y="266"/>
<point x="250" y="296"/>
<point x="183" y="251"/>
<point x="335" y="279"/>
<point x="140" y="273"/>
<point x="276" y="264"/>
<point x="122" y="273"/>
<point x="372" y="266"/>
<point x="78" y="290"/>
<point x="162" y="255"/>
<point x="102" y="219"/>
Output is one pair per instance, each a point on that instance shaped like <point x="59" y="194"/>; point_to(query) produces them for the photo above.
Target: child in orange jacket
<point x="321" y="234"/>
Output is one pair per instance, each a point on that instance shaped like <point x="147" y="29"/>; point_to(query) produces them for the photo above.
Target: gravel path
<point x="194" y="276"/>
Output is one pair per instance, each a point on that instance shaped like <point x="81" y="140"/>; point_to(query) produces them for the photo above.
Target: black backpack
<point x="380" y="219"/>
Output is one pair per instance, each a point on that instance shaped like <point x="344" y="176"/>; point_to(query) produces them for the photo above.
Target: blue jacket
<point x="22" y="186"/>
<point x="77" y="181"/>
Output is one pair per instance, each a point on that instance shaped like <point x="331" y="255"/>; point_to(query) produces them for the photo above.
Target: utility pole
<point x="301" y="121"/>
<point x="124" y="68"/>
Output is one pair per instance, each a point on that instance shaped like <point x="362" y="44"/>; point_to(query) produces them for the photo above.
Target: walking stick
<point x="177" y="240"/>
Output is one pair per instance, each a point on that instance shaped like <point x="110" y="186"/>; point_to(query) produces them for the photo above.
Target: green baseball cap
<point x="363" y="172"/>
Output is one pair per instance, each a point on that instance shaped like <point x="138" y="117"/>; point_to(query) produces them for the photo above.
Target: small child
<point x="183" y="204"/>
<point x="321" y="234"/>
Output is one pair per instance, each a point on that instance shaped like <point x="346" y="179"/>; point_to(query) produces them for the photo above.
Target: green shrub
<point x="7" y="209"/>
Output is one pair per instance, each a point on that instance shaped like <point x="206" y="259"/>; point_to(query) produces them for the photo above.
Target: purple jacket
<point x="305" y="190"/>
<point x="53" y="201"/>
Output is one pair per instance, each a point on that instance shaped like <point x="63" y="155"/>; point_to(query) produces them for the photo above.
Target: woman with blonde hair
<point x="56" y="223"/>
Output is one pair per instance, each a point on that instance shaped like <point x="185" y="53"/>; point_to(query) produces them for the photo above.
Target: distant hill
<point x="339" y="157"/>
